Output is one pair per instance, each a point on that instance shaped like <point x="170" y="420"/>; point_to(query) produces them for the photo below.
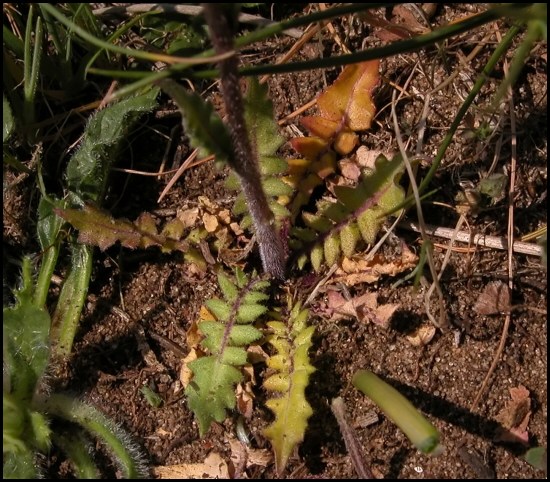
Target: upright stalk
<point x="244" y="161"/>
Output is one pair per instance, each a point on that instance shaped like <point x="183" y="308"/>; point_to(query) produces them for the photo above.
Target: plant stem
<point x="244" y="162"/>
<point x="117" y="442"/>
<point x="71" y="300"/>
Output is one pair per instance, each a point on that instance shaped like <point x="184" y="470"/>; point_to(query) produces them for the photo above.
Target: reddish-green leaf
<point x="349" y="98"/>
<point x="99" y="228"/>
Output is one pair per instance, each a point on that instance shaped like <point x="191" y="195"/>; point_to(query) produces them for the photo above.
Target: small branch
<point x="495" y="242"/>
<point x="443" y="321"/>
<point x="186" y="10"/>
<point x="350" y="439"/>
<point x="510" y="241"/>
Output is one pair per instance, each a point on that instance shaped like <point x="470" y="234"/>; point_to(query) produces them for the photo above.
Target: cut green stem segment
<point x="423" y="435"/>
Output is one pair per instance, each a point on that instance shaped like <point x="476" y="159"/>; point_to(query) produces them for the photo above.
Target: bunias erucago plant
<point x="228" y="331"/>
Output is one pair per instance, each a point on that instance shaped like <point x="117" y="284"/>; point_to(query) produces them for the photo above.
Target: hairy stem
<point x="244" y="161"/>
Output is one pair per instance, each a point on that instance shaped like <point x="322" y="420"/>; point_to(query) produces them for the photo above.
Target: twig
<point x="350" y="439"/>
<point x="306" y="37"/>
<point x="313" y="294"/>
<point x="442" y="322"/>
<point x="178" y="174"/>
<point x="186" y="10"/>
<point x="508" y="316"/>
<point x="485" y="240"/>
<point x="335" y="36"/>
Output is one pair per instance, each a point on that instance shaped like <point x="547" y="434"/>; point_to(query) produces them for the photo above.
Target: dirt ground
<point x="141" y="303"/>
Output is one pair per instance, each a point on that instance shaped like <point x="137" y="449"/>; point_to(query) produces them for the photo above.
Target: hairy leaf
<point x="227" y="329"/>
<point x="265" y="139"/>
<point x="26" y="329"/>
<point x="202" y="124"/>
<point x="291" y="340"/>
<point x="8" y="122"/>
<point x="88" y="169"/>
<point x="263" y="130"/>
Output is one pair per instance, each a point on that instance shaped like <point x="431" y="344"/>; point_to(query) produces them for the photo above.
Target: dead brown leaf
<point x="422" y="336"/>
<point x="494" y="299"/>
<point x="514" y="417"/>
<point x="188" y="217"/>
<point x="243" y="456"/>
<point x="185" y="372"/>
<point x="213" y="467"/>
<point x="349" y="169"/>
<point x="356" y="270"/>
<point x="245" y="392"/>
<point x="210" y="222"/>
<point x="366" y="157"/>
<point x="364" y="307"/>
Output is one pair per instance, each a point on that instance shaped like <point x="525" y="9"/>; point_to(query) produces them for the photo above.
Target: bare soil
<point x="141" y="304"/>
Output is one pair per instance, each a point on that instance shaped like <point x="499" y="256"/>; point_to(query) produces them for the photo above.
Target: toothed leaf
<point x="98" y="228"/>
<point x="201" y="123"/>
<point x="229" y="290"/>
<point x="317" y="254"/>
<point x="220" y="308"/>
<point x="249" y="313"/>
<point x="232" y="182"/>
<point x="226" y="337"/>
<point x="272" y="165"/>
<point x="332" y="249"/>
<point x="368" y="224"/>
<point x="349" y="237"/>
<point x="254" y="297"/>
<point x="259" y="120"/>
<point x="215" y="394"/>
<point x="276" y="187"/>
<point x="290" y="407"/>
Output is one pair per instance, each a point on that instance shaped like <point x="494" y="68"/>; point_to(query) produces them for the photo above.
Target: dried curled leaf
<point x="515" y="416"/>
<point x="357" y="270"/>
<point x="364" y="307"/>
<point x="494" y="299"/>
<point x="291" y="369"/>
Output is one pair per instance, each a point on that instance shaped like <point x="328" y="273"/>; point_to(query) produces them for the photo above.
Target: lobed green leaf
<point x="291" y="340"/>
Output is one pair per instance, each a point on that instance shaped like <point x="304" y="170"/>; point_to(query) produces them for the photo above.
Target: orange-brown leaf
<point x="343" y="139"/>
<point x="349" y="99"/>
<point x="309" y="147"/>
